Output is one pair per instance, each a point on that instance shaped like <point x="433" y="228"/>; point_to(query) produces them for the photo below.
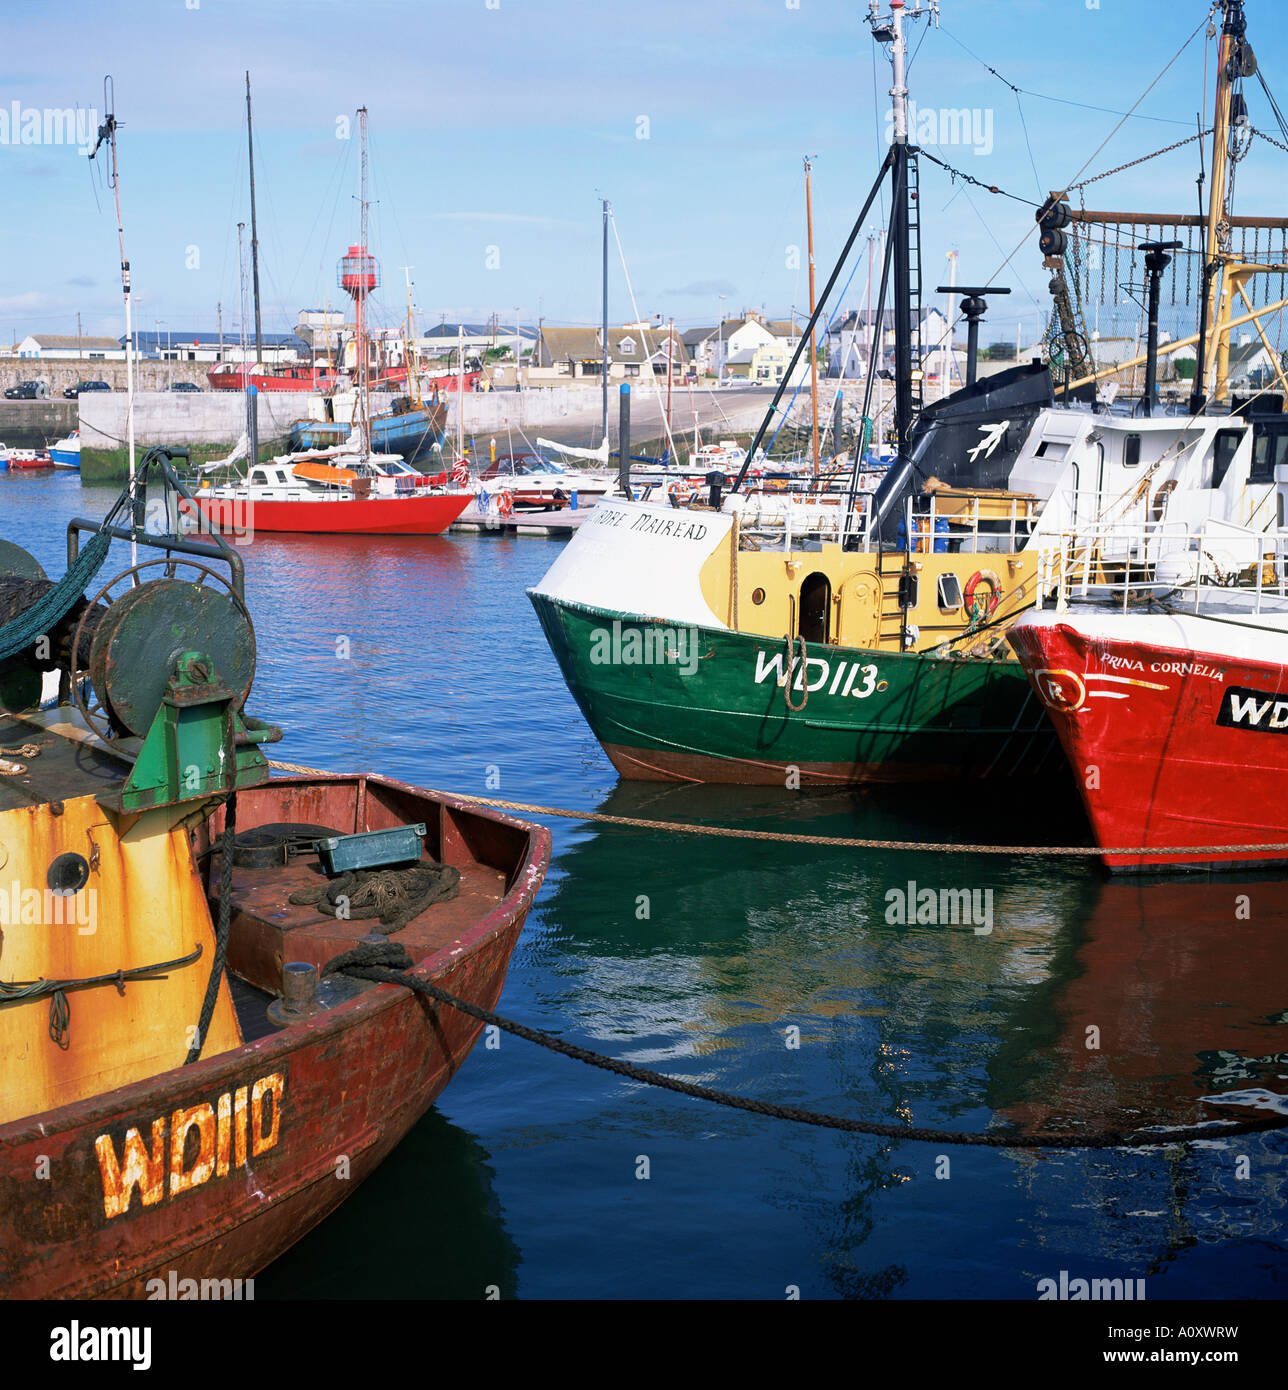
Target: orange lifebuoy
<point x="505" y="502"/>
<point x="990" y="578"/>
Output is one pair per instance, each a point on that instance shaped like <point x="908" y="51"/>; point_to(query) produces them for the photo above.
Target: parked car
<point x="73" y="391"/>
<point x="27" y="391"/>
<point x="184" y="386"/>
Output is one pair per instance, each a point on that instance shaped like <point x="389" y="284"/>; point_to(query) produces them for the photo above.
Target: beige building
<point x="632" y="352"/>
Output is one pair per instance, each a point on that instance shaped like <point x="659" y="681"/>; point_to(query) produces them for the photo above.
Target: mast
<point x="409" y="337"/>
<point x="252" y="456"/>
<point x="107" y="131"/>
<point x="1216" y="269"/>
<point x="603" y="351"/>
<point x="813" y="353"/>
<point x="363" y="353"/>
<point x="254" y="236"/>
<point x="899" y="236"/>
<point x="670" y="372"/>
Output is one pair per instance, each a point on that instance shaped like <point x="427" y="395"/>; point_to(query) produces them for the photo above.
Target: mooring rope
<point x="388" y="963"/>
<point x="827" y="841"/>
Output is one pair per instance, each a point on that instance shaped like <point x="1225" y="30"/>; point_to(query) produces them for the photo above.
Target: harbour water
<point x="769" y="970"/>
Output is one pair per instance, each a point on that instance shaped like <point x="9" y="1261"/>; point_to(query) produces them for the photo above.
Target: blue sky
<point x="501" y="123"/>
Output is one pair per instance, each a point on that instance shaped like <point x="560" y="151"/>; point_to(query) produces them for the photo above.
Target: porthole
<point x="68" y="874"/>
<point x="757" y="596"/>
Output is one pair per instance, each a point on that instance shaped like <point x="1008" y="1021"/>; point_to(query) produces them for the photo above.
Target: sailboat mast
<point x="411" y="359"/>
<point x="254" y="235"/>
<point x="813" y="352"/>
<point x="603" y="351"/>
<point x="107" y="131"/>
<point x="363" y="352"/>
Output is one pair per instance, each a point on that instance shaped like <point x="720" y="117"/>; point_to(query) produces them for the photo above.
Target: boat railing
<point x="164" y="529"/>
<point x="961" y="523"/>
<point x="1128" y="565"/>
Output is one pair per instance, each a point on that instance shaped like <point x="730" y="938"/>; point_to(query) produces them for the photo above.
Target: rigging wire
<point x="1088" y="162"/>
<point x="1063" y="101"/>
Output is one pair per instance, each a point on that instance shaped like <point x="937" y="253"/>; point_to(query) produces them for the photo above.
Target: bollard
<point x="299" y="995"/>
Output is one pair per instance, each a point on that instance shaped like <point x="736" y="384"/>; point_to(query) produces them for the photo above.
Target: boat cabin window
<point x="1224" y="448"/>
<point x="816" y="607"/>
<point x="1269" y="448"/>
<point x="281" y="475"/>
<point x="949" y="593"/>
<point x="1054" y="449"/>
<point x="259" y="476"/>
<point x="1131" y="450"/>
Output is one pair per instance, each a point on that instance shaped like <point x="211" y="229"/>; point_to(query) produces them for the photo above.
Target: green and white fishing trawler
<point x="845" y="637"/>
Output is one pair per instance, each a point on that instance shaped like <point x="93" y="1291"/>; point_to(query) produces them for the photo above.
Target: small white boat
<point x="66" y="452"/>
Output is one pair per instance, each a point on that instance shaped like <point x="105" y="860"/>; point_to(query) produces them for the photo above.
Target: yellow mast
<point x="409" y="337"/>
<point x="1216" y="256"/>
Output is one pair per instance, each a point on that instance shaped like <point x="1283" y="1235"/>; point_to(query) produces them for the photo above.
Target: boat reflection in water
<point x="1176" y="991"/>
<point x="435" y="1193"/>
<point x="926" y="1024"/>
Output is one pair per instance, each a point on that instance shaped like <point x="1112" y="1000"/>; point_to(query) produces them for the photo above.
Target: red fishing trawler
<point x="1171" y="703"/>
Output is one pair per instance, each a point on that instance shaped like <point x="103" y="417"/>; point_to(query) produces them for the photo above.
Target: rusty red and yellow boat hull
<point x="209" y="1172"/>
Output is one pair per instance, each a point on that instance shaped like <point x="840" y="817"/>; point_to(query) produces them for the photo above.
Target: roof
<point x="1244" y="353"/>
<point x="695" y="337"/>
<point x="72" y="342"/>
<point x="151" y="340"/>
<point x="480" y="330"/>
<point x="582" y="344"/>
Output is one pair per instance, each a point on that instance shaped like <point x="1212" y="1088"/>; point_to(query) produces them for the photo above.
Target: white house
<point x="851" y="340"/>
<point x="71" y="345"/>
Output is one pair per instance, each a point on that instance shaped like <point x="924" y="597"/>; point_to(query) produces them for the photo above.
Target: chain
<point x="970" y="178"/>
<point x="1269" y="138"/>
<point x="1167" y="149"/>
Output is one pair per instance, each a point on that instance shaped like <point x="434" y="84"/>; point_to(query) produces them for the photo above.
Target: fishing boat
<point x="408" y="428"/>
<point x="66" y="452"/>
<point x="26" y="458"/>
<point x="535" y="483"/>
<point x="1166" y="677"/>
<point x="349" y="489"/>
<point x="850" y="636"/>
<point x="188" y="1090"/>
<point x="236" y="376"/>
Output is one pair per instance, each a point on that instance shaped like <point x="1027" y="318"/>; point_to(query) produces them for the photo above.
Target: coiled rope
<point x="387" y="963"/>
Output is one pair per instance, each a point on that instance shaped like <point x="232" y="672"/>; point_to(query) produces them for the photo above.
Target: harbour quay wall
<point x="210" y="423"/>
<point x="58" y="373"/>
<point x="572" y="414"/>
<point x="35" y="424"/>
